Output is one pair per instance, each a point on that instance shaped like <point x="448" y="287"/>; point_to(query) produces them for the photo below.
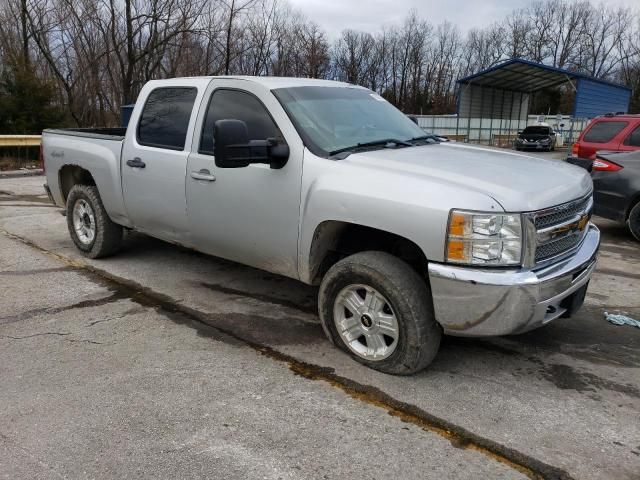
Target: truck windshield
<point x="537" y="131"/>
<point x="336" y="119"/>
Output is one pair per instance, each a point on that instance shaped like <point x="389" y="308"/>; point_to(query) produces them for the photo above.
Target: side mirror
<point x="233" y="149"/>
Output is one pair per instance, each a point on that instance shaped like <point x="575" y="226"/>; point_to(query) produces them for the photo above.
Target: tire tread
<point x="633" y="222"/>
<point x="422" y="346"/>
<point x="108" y="234"/>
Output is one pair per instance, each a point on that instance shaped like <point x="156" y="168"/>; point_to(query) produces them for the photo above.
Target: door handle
<point x="203" y="174"/>
<point x="136" y="163"/>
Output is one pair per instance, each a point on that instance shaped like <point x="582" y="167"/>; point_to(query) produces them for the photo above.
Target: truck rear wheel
<point x="90" y="227"/>
<point x="634" y="221"/>
<point x="376" y="307"/>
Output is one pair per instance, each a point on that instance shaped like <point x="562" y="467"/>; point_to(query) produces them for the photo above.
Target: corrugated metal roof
<point x="478" y="92"/>
<point x="525" y="76"/>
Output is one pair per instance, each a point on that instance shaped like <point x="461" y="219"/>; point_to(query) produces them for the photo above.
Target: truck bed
<point x="116" y="133"/>
<point x="96" y="150"/>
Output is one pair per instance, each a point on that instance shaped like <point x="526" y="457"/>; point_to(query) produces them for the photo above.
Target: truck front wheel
<point x="376" y="307"/>
<point x="90" y="227"/>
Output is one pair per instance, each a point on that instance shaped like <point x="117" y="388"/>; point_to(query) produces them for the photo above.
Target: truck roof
<point x="280" y="82"/>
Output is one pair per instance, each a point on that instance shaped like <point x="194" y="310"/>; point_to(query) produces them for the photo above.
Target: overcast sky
<point x="369" y="15"/>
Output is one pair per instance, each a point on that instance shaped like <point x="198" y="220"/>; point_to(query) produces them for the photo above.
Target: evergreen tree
<point x="27" y="102"/>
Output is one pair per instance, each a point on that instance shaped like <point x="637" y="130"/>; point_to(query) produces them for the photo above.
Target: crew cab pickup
<point x="408" y="237"/>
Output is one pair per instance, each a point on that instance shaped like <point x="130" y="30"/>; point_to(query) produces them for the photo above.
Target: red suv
<point x="611" y="132"/>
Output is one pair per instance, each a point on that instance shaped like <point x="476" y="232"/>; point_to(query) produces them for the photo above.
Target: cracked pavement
<point x="115" y="368"/>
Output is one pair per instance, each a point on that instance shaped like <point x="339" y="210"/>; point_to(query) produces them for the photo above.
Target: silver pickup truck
<point x="408" y="237"/>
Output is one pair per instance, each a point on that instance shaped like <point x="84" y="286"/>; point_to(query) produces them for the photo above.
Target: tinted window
<point x="634" y="138"/>
<point x="165" y="118"/>
<point x="236" y="105"/>
<point x="602" y="132"/>
<point x="537" y="130"/>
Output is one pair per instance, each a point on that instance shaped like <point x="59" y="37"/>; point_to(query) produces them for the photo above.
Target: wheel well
<point x="71" y="175"/>
<point x="334" y="240"/>
<point x="634" y="201"/>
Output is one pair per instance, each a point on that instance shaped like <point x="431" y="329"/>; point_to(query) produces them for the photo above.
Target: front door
<point x="249" y="214"/>
<point x="154" y="164"/>
<point x="632" y="141"/>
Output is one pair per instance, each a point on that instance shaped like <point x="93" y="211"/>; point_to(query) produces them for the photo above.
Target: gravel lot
<point x="164" y="363"/>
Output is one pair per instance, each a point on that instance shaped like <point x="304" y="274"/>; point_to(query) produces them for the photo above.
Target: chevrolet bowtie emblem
<point x="577" y="225"/>
<point x="582" y="223"/>
<point x="572" y="228"/>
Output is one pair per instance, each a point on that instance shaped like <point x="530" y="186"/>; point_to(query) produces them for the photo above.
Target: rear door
<point x="154" y="159"/>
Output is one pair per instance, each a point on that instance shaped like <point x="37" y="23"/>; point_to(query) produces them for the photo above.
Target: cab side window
<point x="236" y="105"/>
<point x="165" y="118"/>
<point x="634" y="138"/>
<point x="603" y="132"/>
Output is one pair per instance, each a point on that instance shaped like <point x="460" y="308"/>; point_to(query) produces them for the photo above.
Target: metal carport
<point x="494" y="104"/>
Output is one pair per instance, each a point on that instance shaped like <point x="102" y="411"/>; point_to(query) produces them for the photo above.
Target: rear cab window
<point x="165" y="118"/>
<point x="603" y="132"/>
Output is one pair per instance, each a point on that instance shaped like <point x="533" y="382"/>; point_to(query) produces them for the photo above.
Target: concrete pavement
<point x="560" y="401"/>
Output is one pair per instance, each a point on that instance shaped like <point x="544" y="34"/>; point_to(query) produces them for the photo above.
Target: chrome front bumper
<point x="482" y="302"/>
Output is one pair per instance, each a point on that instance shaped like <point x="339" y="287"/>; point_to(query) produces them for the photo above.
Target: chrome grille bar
<point x="557" y="231"/>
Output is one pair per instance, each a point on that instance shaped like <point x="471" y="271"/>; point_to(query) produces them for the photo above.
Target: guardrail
<point x="20" y="140"/>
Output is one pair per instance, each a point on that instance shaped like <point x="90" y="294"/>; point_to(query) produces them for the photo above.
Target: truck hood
<point x="518" y="182"/>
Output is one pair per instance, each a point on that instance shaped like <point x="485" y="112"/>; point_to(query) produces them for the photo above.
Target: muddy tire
<point x="633" y="222"/>
<point x="90" y="227"/>
<point x="376" y="307"/>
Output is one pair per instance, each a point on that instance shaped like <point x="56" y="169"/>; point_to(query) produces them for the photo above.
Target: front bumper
<point x="532" y="145"/>
<point x="480" y="302"/>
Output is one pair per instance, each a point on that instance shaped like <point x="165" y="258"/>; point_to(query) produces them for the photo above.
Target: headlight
<point x="476" y="238"/>
<point x="545" y="140"/>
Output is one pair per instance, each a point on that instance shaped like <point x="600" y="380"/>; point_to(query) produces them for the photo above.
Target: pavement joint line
<point x="9" y="337"/>
<point x="61" y="334"/>
<point x="458" y="436"/>
<point x="21" y="273"/>
<point x="29" y="314"/>
<point x="260" y="297"/>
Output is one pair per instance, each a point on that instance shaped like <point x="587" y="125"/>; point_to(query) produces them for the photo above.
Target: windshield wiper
<point x="383" y="143"/>
<point x="431" y="136"/>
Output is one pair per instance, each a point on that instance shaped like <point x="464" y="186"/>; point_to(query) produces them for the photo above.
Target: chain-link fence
<point x="498" y="132"/>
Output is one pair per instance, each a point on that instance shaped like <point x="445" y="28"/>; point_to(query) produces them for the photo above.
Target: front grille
<point x="561" y="213"/>
<point x="569" y="218"/>
<point x="557" y="247"/>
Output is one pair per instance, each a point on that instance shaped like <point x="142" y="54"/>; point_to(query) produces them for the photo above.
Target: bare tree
<point x="603" y="31"/>
<point x="99" y="53"/>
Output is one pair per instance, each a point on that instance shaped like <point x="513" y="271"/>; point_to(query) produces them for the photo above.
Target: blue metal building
<point x="502" y="93"/>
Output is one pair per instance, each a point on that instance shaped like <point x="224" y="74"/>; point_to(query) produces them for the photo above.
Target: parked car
<point x="536" y="137"/>
<point x="325" y="182"/>
<point x="611" y="132"/>
<point x="616" y="187"/>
